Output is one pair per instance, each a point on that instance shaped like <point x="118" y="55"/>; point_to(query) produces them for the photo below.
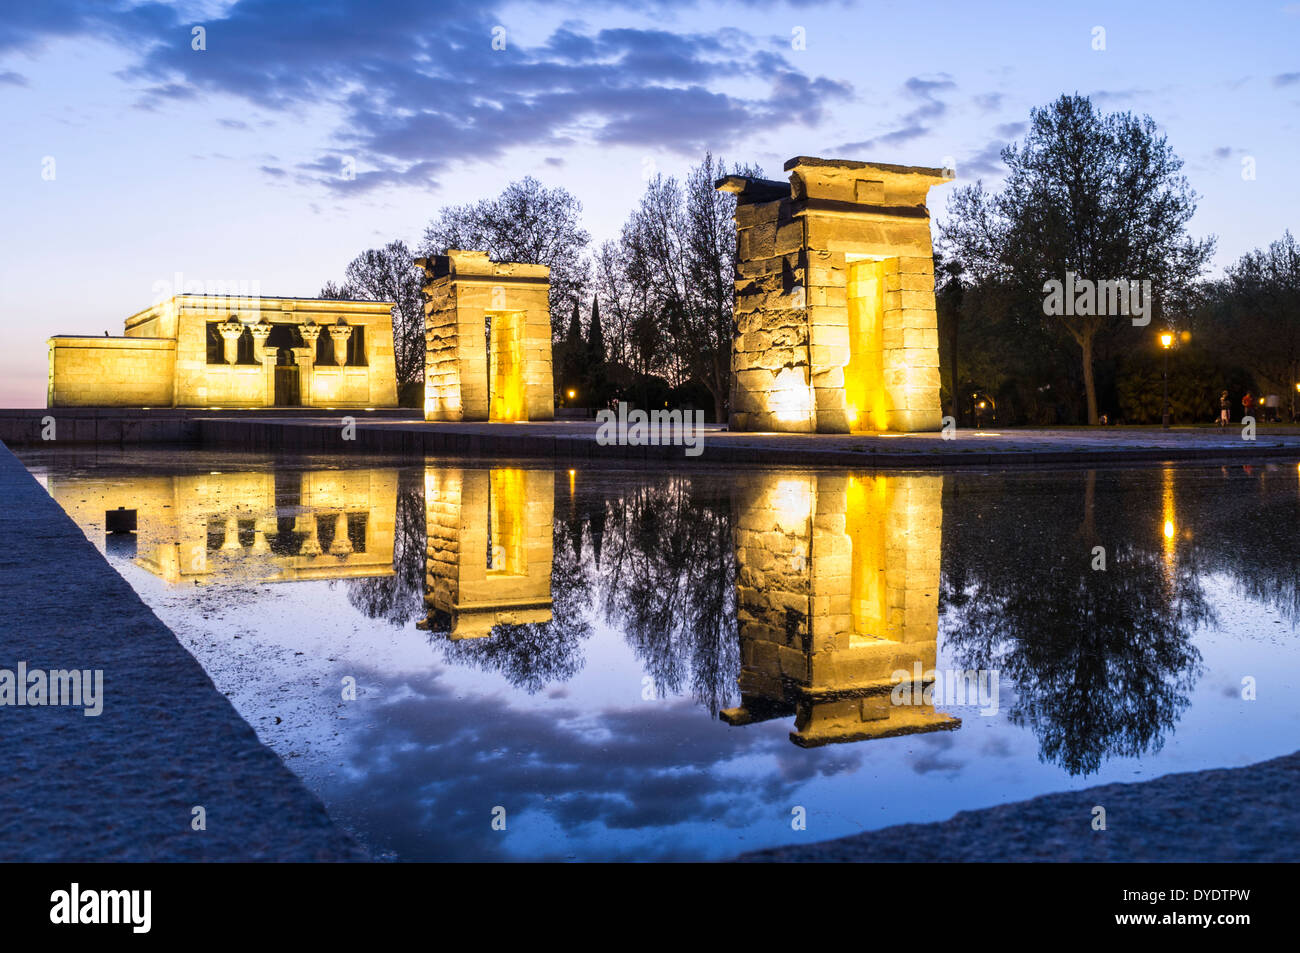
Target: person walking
<point x="1225" y="410"/>
<point x="1247" y="402"/>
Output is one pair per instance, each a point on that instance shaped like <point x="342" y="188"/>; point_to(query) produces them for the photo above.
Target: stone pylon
<point x="837" y="581"/>
<point x="835" y="318"/>
<point x="487" y="339"/>
<point x="489" y="549"/>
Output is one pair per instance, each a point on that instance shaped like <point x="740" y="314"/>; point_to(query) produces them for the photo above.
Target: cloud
<point x="1116" y="95"/>
<point x="987" y="161"/>
<point x="926" y="91"/>
<point x="914" y="123"/>
<point x="1286" y="79"/>
<point x="10" y="78"/>
<point x="424" y="771"/>
<point x="418" y="87"/>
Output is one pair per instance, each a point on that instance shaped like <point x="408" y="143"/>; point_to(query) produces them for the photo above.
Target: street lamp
<point x="1166" y="342"/>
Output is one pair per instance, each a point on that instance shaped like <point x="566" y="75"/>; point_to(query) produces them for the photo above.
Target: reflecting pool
<point x="637" y="664"/>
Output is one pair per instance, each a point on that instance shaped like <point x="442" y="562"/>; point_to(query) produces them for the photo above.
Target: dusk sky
<point x="128" y="156"/>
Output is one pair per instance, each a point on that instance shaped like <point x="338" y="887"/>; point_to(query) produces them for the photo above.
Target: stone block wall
<point x="806" y="252"/>
<point x="110" y="372"/>
<point x="837" y="589"/>
<point x="489" y="548"/>
<point x="465" y="294"/>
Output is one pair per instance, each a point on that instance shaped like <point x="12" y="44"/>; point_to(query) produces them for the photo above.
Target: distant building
<point x="195" y="350"/>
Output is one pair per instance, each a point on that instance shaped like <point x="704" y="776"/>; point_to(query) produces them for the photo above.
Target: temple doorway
<point x="287" y="391"/>
<point x="505" y="350"/>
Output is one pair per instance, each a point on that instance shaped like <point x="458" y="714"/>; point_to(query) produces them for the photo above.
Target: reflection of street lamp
<point x="1166" y="342"/>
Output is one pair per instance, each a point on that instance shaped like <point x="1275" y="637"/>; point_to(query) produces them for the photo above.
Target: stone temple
<point x="488" y="339"/>
<point x="198" y="350"/>
<point x="835" y="319"/>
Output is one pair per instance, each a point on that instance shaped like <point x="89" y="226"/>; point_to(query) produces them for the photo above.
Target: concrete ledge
<point x="122" y="786"/>
<point x="403" y="431"/>
<point x="1226" y="814"/>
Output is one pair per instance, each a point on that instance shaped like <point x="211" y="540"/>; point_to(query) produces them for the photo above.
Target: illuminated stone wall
<point x="97" y="372"/>
<point x="163" y="360"/>
<point x="490" y="548"/>
<point x="835" y="318"/>
<point x="246" y="526"/>
<point x="469" y="374"/>
<point x="837" y="589"/>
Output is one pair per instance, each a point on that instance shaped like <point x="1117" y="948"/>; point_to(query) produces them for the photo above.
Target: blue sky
<point x="227" y="163"/>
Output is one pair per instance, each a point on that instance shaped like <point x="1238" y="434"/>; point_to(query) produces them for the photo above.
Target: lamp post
<point x="1166" y="342"/>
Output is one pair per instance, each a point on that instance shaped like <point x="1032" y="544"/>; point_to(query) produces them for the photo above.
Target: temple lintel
<point x="751" y="190"/>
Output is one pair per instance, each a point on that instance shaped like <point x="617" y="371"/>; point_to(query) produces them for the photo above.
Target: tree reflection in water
<point x="1101" y="660"/>
<point x="1098" y="664"/>
<point x="668" y="580"/>
<point x="399" y="599"/>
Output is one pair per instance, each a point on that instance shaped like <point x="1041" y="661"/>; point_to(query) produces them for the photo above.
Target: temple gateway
<point x="835" y="321"/>
<point x="195" y="350"/>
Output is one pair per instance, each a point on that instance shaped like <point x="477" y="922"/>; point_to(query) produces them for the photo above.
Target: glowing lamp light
<point x="1169" y="529"/>
<point x="1166" y="340"/>
<point x="572" y="394"/>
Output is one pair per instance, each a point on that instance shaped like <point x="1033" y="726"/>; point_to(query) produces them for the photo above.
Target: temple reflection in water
<point x="837" y="589"/>
<point x="247" y="526"/>
<point x="490" y="544"/>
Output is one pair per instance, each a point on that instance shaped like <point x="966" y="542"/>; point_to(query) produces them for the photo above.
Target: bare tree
<point x="527" y="223"/>
<point x="389" y="274"/>
<point x="680" y="245"/>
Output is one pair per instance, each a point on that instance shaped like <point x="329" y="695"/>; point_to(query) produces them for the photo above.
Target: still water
<point x="629" y="664"/>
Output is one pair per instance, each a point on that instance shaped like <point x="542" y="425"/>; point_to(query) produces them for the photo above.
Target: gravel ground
<point x="1231" y="814"/>
<point x="123" y="786"/>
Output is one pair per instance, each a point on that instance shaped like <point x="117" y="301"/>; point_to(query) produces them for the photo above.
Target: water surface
<point x="629" y="664"/>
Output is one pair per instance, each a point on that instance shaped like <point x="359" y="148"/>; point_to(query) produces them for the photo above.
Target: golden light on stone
<point x="835" y="323"/>
<point x="223" y="527"/>
<point x="487" y="339"/>
<point x="837" y="591"/>
<point x="489" y="549"/>
<point x="186" y="352"/>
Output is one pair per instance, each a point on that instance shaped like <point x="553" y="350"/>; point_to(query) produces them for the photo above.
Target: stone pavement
<point x="1227" y="814"/>
<point x="576" y="441"/>
<point x="122" y="786"/>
